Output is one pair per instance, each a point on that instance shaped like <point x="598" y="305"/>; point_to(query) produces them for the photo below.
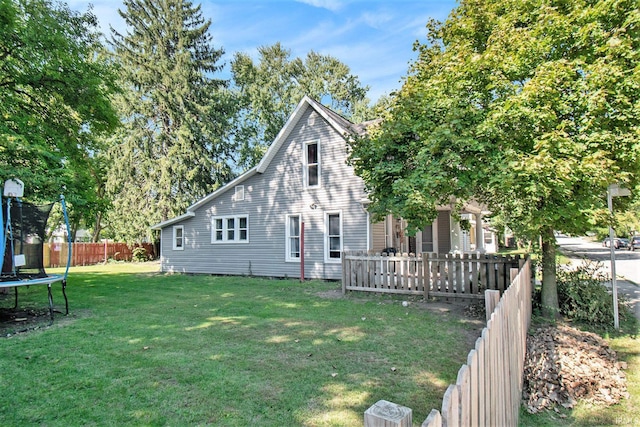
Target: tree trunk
<point x="97" y="229"/>
<point x="550" y="307"/>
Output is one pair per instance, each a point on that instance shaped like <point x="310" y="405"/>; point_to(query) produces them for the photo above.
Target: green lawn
<point x="141" y="348"/>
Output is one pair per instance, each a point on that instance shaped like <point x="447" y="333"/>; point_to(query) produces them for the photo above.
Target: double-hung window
<point x="178" y="237"/>
<point x="333" y="239"/>
<point x="312" y="164"/>
<point x="293" y="238"/>
<point x="230" y="229"/>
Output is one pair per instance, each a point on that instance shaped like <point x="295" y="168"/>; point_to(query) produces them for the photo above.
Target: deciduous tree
<point x="269" y="89"/>
<point x="55" y="88"/>
<point x="531" y="106"/>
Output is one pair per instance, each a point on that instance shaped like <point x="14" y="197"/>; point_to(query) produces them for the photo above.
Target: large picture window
<point x="333" y="233"/>
<point x="312" y="164"/>
<point x="293" y="238"/>
<point x="178" y="238"/>
<point x="230" y="229"/>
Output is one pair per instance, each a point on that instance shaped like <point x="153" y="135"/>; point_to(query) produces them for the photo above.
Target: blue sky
<point x="374" y="38"/>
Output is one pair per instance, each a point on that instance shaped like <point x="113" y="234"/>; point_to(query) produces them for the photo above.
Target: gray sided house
<point x="253" y="225"/>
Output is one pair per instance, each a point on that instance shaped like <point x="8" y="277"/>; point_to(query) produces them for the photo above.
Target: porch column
<point x="456" y="237"/>
<point x="390" y="230"/>
<point x="369" y="237"/>
<point x="479" y="234"/>
<point x="434" y="231"/>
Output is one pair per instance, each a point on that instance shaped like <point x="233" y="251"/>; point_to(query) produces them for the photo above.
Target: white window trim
<point x="236" y="229"/>
<point x="287" y="242"/>
<point x="328" y="259"/>
<point x="174" y="240"/>
<point x="305" y="165"/>
<point x="239" y="194"/>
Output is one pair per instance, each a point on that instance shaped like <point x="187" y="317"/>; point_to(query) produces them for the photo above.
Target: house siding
<point x="378" y="242"/>
<point x="268" y="198"/>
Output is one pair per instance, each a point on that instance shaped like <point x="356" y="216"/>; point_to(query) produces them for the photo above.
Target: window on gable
<point x="312" y="164"/>
<point x="178" y="238"/>
<point x="333" y="233"/>
<point x="239" y="196"/>
<point x="230" y="229"/>
<point x="293" y="238"/>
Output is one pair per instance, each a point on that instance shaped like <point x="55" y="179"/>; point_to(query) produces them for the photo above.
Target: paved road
<point x="627" y="265"/>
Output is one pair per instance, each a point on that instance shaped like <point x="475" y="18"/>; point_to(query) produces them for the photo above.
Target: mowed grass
<point x="142" y="348"/>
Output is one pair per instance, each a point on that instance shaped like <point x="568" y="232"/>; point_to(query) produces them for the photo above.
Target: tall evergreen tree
<point x="171" y="150"/>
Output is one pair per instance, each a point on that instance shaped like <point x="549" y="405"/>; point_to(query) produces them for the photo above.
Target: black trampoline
<point x="24" y="231"/>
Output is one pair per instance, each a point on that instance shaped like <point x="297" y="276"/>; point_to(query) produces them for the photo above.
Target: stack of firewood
<point x="564" y="365"/>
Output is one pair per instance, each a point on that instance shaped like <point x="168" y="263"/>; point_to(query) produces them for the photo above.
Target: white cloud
<point x="332" y="5"/>
<point x="376" y="20"/>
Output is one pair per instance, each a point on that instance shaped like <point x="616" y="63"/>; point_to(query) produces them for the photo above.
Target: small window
<point x="293" y="238"/>
<point x="312" y="164"/>
<point x="243" y="228"/>
<point x="239" y="196"/>
<point x="230" y="229"/>
<point x="218" y="230"/>
<point x="333" y="243"/>
<point x="178" y="238"/>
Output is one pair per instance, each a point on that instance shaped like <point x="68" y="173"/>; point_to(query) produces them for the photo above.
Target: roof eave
<point x="172" y="221"/>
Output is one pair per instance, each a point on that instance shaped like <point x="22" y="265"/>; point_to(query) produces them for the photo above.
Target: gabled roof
<point x="339" y="123"/>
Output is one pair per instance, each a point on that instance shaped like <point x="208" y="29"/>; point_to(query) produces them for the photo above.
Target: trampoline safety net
<point x="25" y="236"/>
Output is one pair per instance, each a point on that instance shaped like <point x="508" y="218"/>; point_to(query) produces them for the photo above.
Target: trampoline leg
<point x="15" y="288"/>
<point x="64" y="293"/>
<point x="50" y="303"/>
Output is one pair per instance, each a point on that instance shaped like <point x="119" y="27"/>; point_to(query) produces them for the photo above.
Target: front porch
<point x="445" y="235"/>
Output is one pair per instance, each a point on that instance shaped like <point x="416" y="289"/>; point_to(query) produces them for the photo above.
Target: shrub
<point x="583" y="296"/>
<point x="139" y="254"/>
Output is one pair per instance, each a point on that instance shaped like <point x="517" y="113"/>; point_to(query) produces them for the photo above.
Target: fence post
<point x="388" y="414"/>
<point x="345" y="266"/>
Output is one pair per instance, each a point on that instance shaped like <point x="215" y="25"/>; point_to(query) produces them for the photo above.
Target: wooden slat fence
<point x="55" y="254"/>
<point x="382" y="273"/>
<point x="488" y="388"/>
<point x="489" y="385"/>
<point x="428" y="274"/>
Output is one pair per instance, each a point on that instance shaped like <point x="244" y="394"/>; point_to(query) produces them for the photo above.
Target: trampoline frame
<point x="49" y="279"/>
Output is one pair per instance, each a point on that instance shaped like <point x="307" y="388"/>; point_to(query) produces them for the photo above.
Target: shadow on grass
<point x="175" y="349"/>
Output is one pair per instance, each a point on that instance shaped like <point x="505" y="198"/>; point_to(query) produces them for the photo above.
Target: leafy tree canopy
<point x="268" y="90"/>
<point x="55" y="88"/>
<point x="530" y="106"/>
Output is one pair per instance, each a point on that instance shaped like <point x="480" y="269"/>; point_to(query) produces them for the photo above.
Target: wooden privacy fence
<point x="488" y="389"/>
<point x="428" y="274"/>
<point x="55" y="254"/>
